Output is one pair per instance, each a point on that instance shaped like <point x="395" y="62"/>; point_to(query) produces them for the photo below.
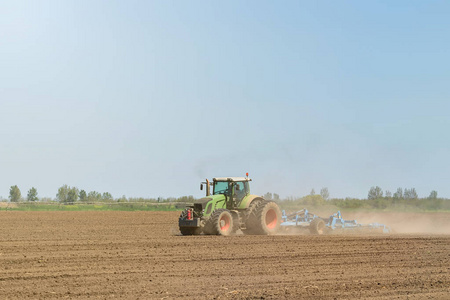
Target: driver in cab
<point x="239" y="192"/>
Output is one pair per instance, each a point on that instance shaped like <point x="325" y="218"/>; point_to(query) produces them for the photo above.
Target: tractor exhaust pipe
<point x="207" y="188"/>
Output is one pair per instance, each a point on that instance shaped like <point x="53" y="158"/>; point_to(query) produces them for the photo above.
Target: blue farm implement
<point x="303" y="219"/>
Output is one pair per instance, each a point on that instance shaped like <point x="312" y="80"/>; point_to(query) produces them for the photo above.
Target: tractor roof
<point x="232" y="179"/>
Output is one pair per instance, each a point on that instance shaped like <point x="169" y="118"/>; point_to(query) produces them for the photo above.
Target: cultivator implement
<point x="303" y="219"/>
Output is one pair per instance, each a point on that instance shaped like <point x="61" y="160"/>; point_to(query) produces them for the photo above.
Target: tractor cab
<point x="232" y="187"/>
<point x="236" y="187"/>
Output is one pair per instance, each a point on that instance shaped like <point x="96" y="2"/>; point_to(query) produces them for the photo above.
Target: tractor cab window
<point x="220" y="187"/>
<point x="239" y="188"/>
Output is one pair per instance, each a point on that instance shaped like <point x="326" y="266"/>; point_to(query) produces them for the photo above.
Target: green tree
<point x="314" y="200"/>
<point x="406" y="194"/>
<point x="375" y="193"/>
<point x="268" y="196"/>
<point x="14" y="193"/>
<point x="433" y="195"/>
<point x="379" y="203"/>
<point x="276" y="197"/>
<point x="72" y="195"/>
<point x="107" y="196"/>
<point x="398" y="194"/>
<point x="82" y="195"/>
<point x="62" y="194"/>
<point x="313" y="192"/>
<point x="410" y="194"/>
<point x="94" y="196"/>
<point x="122" y="199"/>
<point x="67" y="194"/>
<point x="32" y="195"/>
<point x="324" y="193"/>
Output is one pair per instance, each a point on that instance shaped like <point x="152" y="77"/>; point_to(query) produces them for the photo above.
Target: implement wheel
<point x="264" y="218"/>
<point x="220" y="223"/>
<point x="317" y="226"/>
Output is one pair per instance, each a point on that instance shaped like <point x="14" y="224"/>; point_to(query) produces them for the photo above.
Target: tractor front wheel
<point x="220" y="223"/>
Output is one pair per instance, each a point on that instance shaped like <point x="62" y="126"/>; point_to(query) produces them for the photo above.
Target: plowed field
<point x="131" y="255"/>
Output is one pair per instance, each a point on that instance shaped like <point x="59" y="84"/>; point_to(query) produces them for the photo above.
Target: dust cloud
<point x="406" y="222"/>
<point x="437" y="223"/>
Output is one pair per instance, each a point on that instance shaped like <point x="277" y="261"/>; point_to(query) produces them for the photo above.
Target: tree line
<point x="69" y="195"/>
<point x="15" y="195"/>
<point x="66" y="194"/>
<point x="403" y="198"/>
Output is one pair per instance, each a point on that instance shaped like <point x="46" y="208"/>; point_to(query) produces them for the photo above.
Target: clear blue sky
<point x="148" y="98"/>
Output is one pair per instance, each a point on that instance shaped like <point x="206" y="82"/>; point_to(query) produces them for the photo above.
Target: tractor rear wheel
<point x="249" y="212"/>
<point x="264" y="218"/>
<point x="220" y="223"/>
<point x="317" y="226"/>
<point x="190" y="230"/>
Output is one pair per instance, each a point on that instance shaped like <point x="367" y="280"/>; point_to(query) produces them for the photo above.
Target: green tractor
<point x="229" y="208"/>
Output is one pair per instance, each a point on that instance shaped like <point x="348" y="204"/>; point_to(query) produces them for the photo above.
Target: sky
<point x="149" y="98"/>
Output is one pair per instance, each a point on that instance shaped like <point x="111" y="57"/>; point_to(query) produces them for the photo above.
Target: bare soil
<point x="140" y="255"/>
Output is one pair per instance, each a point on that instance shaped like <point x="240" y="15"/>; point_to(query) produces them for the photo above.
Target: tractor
<point x="228" y="208"/>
